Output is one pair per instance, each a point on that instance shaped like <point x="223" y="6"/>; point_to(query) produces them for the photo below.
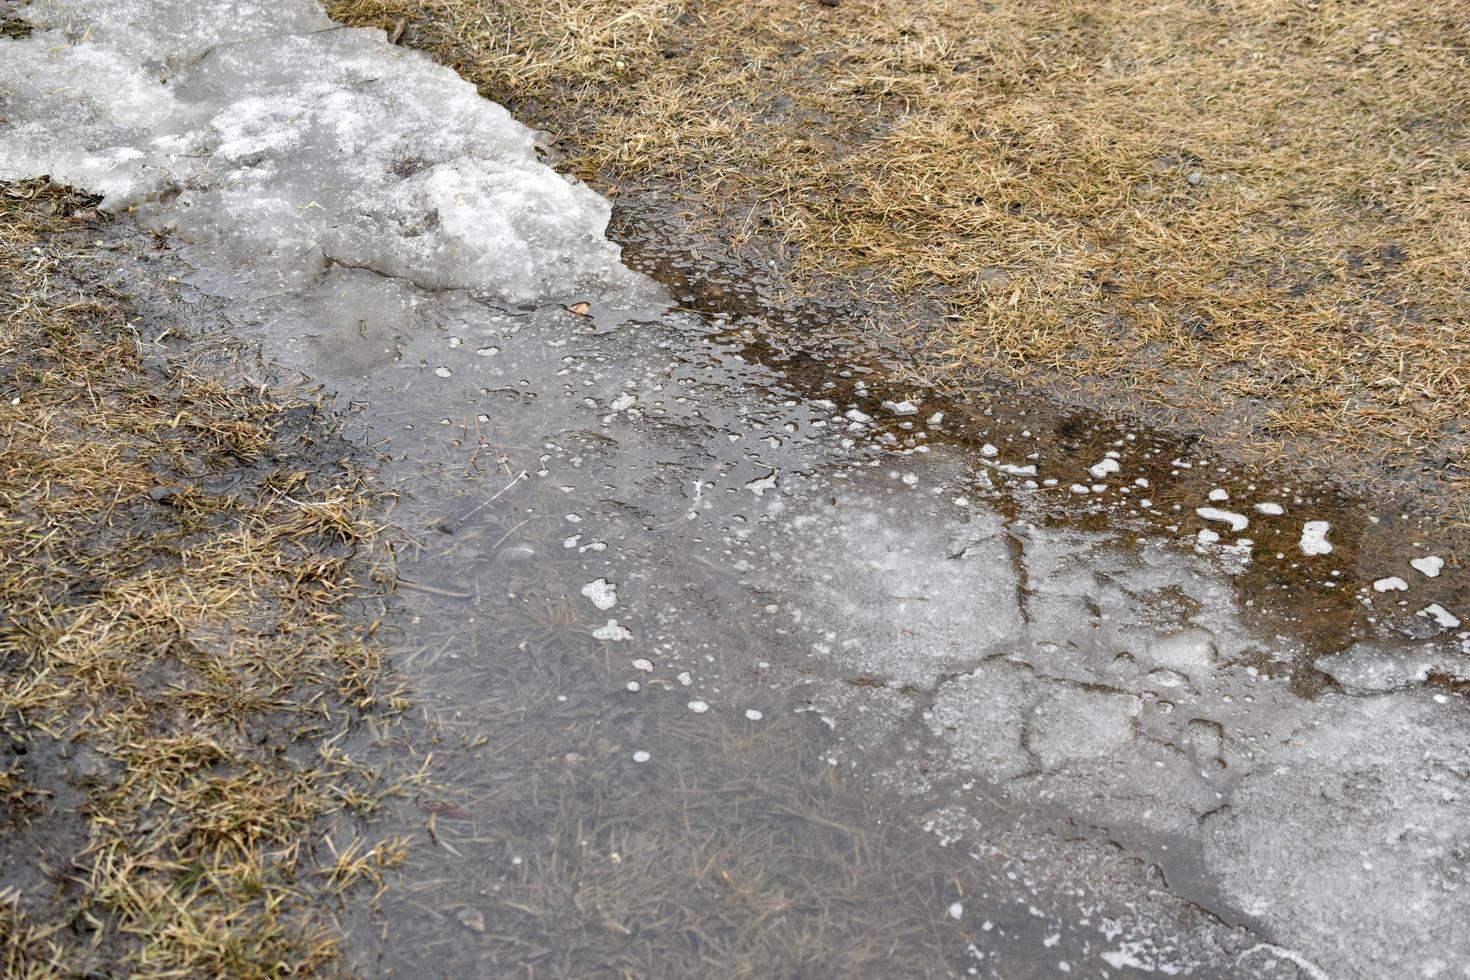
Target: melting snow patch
<point x="1429" y="565"/>
<point x="1270" y="509"/>
<point x="613" y="632"/>
<point x="1237" y="522"/>
<point x="1391" y="584"/>
<point x="604" y="594"/>
<point x="1373" y="667"/>
<point x="902" y="408"/>
<point x="1139" y="956"/>
<point x="760" y="485"/>
<point x="641" y="756"/>
<point x="1189" y="651"/>
<point x="1103" y="467"/>
<point x="1311" y="969"/>
<point x="698" y="707"/>
<point x="1440" y="615"/>
<point x="1314" y="538"/>
<point x="278" y="139"/>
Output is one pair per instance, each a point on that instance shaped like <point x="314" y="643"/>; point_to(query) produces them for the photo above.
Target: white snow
<point x="1429" y="565"/>
<point x="1440" y="615"/>
<point x="1103" y="467"/>
<point x="1391" y="583"/>
<point x="604" y="594"/>
<point x="1314" y="538"/>
<point x="760" y="485"/>
<point x="269" y="137"/>
<point x="612" y="632"/>
<point x="1270" y="508"/>
<point x="1237" y="522"/>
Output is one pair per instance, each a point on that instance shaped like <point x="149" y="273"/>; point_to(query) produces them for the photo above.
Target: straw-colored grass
<point x="177" y="661"/>
<point x="1250" y="218"/>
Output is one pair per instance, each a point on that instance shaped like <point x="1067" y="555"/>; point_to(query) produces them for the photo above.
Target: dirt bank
<point x="1243" y="221"/>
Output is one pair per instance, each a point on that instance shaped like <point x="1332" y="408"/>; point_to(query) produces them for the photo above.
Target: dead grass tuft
<point x="1249" y="218"/>
<point x="191" y="652"/>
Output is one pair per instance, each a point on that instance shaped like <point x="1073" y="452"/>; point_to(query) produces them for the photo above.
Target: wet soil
<point x="736" y="652"/>
<point x="808" y="342"/>
<point x="743" y="845"/>
<point x="586" y="818"/>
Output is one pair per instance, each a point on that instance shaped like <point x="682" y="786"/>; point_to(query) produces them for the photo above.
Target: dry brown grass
<point x="198" y="645"/>
<point x="1249" y="217"/>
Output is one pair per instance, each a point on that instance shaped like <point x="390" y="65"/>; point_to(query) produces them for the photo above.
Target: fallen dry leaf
<point x="581" y="309"/>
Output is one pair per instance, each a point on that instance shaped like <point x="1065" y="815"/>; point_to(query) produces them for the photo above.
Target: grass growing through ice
<point x="1250" y="218"/>
<point x="177" y="661"/>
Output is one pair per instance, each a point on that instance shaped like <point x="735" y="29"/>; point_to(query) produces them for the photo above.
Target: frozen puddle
<point x="641" y="560"/>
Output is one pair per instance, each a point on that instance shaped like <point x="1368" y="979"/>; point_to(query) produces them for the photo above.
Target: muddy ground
<point x="187" y="632"/>
<point x="644" y="627"/>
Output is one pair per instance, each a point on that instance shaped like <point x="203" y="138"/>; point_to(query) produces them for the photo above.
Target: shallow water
<point x="728" y="667"/>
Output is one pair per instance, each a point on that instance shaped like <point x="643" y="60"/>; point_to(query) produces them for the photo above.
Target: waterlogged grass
<point x="1247" y="218"/>
<point x="182" y="645"/>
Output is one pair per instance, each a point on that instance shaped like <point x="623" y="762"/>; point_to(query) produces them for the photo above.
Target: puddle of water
<point x="732" y="662"/>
